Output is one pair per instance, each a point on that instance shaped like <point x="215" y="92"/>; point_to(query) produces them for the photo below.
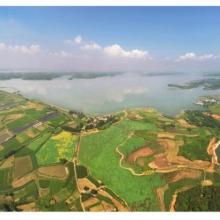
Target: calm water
<point x="108" y="94"/>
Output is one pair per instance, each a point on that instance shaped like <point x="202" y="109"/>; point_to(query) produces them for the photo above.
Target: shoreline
<point x="65" y="109"/>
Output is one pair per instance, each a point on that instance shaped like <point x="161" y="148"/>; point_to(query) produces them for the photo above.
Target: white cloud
<point x="193" y="56"/>
<point x="208" y="56"/>
<point x="62" y="54"/>
<point x="91" y="46"/>
<point x="114" y="50"/>
<point x="24" y="49"/>
<point x="117" y="50"/>
<point x="187" y="56"/>
<point x="78" y="39"/>
<point x="32" y="49"/>
<point x="2" y="46"/>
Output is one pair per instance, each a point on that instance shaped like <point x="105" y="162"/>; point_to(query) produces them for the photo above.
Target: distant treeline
<point x="29" y="76"/>
<point x="53" y="75"/>
<point x="207" y="84"/>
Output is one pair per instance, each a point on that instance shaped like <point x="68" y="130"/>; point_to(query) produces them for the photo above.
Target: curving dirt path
<point x="211" y="150"/>
<point x="145" y="173"/>
<point x="160" y="194"/>
<point x="173" y="202"/>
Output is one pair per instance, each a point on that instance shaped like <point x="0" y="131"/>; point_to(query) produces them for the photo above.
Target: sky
<point x="110" y="38"/>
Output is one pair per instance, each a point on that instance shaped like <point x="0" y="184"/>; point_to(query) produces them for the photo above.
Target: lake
<point x="112" y="93"/>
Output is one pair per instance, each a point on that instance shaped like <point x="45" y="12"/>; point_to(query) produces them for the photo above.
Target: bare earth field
<point x="23" y="165"/>
<point x="141" y="152"/>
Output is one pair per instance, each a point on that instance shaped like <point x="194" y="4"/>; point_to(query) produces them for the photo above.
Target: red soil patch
<point x="141" y="152"/>
<point x="215" y="116"/>
<point x="161" y="161"/>
<point x="185" y="174"/>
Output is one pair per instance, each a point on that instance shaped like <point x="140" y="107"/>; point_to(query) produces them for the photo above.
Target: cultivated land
<point x="135" y="160"/>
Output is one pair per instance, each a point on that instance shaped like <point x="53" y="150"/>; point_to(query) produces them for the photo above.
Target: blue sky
<point x="165" y="33"/>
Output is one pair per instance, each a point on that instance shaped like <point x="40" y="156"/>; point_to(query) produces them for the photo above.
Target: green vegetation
<point x="29" y="76"/>
<point x="36" y="144"/>
<point x="177" y="185"/>
<point x="44" y="183"/>
<point x="34" y="135"/>
<point x="5" y="179"/>
<point x="52" y="75"/>
<point x="200" y="119"/>
<point x="27" y="194"/>
<point x="195" y="148"/>
<point x="106" y="166"/>
<point x="132" y="144"/>
<point x="81" y="171"/>
<point x="29" y="130"/>
<point x="10" y="148"/>
<point x="59" y="146"/>
<point x="215" y="109"/>
<point x="206" y="84"/>
<point x="61" y="190"/>
<point x="94" y="181"/>
<point x="58" y="121"/>
<point x="199" y="199"/>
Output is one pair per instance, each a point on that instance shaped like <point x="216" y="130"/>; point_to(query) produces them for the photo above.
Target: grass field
<point x="60" y="190"/>
<point x="29" y="116"/>
<point x="10" y="147"/>
<point x="59" y="120"/>
<point x="22" y="137"/>
<point x="177" y="185"/>
<point x="5" y="178"/>
<point x="58" y="147"/>
<point x="215" y="109"/>
<point x="195" y="148"/>
<point x="131" y="144"/>
<point x="36" y="144"/>
<point x="97" y="151"/>
<point x="28" y="193"/>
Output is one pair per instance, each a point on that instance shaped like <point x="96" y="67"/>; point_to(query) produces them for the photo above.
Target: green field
<point x="60" y="190"/>
<point x="29" y="116"/>
<point x="5" y="179"/>
<point x="36" y="144"/>
<point x="97" y="151"/>
<point x="28" y="193"/>
<point x="195" y="148"/>
<point x="60" y="146"/>
<point x="215" y="109"/>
